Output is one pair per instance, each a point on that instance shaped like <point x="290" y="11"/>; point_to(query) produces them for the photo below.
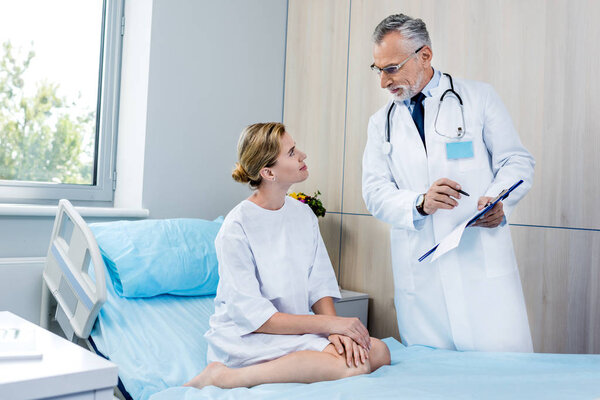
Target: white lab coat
<point x="471" y="298"/>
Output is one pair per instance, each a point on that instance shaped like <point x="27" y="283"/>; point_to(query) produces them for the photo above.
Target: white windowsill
<point x="22" y="210"/>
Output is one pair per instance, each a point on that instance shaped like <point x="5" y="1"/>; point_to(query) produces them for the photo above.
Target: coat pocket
<point x="498" y="251"/>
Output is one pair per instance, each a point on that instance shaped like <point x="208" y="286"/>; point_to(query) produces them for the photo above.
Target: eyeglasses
<point x="392" y="69"/>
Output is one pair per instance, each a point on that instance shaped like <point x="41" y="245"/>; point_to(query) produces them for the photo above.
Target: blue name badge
<point x="458" y="150"/>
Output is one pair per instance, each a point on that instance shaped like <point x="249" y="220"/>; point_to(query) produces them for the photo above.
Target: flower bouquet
<point x="313" y="202"/>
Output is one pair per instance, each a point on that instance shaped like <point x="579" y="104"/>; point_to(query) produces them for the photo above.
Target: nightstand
<point x="64" y="371"/>
<point x="353" y="304"/>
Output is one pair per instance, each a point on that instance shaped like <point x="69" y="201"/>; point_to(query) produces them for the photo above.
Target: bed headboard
<point x="72" y="250"/>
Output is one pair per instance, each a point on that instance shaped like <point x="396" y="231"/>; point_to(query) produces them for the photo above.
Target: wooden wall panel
<point x="567" y="144"/>
<point x="315" y="91"/>
<point x="330" y="227"/>
<point x="365" y="96"/>
<point x="366" y="267"/>
<point x="561" y="282"/>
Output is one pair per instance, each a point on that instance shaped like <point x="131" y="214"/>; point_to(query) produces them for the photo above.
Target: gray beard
<point x="408" y="91"/>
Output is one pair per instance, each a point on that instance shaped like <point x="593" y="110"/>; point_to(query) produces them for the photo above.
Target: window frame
<point x="109" y="82"/>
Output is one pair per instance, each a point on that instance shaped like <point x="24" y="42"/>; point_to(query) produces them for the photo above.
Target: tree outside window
<point x="43" y="137"/>
<point x="59" y="85"/>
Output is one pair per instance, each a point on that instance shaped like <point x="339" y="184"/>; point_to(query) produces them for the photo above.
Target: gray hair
<point x="413" y="30"/>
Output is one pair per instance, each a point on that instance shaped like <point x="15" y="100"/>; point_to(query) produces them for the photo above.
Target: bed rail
<point x="73" y="249"/>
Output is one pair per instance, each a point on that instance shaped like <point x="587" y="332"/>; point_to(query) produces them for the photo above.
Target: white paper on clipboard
<point x="452" y="240"/>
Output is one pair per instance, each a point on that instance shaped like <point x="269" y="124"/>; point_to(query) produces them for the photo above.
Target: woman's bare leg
<point x="301" y="367"/>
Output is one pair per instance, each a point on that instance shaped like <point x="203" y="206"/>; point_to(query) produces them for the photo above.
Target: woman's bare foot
<point x="210" y="376"/>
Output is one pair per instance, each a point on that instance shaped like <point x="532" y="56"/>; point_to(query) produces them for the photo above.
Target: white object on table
<point x="65" y="370"/>
<point x="18" y="342"/>
<point x="353" y="304"/>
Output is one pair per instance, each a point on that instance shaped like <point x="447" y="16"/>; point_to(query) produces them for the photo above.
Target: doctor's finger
<point x="496" y="212"/>
<point x="447" y="190"/>
<point x="483" y="201"/>
<point x="490" y="222"/>
<point x="442" y="201"/>
<point x="447" y="182"/>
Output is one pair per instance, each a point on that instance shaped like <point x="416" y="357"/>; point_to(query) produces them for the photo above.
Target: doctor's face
<point x="408" y="80"/>
<point x="289" y="167"/>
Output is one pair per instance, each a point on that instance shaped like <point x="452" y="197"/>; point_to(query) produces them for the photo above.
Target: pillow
<point x="151" y="257"/>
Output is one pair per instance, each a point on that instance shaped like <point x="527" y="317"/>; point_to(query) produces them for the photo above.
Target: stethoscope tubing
<point x="387" y="144"/>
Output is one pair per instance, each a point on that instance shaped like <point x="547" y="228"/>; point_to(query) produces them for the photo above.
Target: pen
<point x="462" y="192"/>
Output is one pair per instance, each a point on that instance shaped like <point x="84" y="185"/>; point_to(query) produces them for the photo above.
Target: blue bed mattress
<point x="158" y="345"/>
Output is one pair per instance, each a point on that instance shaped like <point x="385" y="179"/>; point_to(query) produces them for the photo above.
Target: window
<point x="59" y="86"/>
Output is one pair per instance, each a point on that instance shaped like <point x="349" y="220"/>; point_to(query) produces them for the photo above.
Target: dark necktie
<point x="418" y="115"/>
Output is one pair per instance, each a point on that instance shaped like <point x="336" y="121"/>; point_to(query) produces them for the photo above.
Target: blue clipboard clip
<point x="503" y="195"/>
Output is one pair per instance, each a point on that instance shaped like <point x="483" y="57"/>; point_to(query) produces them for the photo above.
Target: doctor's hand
<point x="494" y="217"/>
<point x="442" y="194"/>
<point x="353" y="328"/>
<point x="353" y="351"/>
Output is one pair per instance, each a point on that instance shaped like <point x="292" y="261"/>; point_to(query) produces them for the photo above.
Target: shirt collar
<point x="432" y="84"/>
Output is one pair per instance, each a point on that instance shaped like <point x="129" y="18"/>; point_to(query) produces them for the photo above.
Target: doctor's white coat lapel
<point x="384" y="187"/>
<point x="408" y="158"/>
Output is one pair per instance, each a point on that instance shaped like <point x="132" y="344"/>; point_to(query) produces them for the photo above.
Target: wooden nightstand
<point x="353" y="304"/>
<point x="64" y="371"/>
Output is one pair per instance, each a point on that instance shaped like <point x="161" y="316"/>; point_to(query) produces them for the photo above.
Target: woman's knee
<point x="379" y="354"/>
<point x="345" y="370"/>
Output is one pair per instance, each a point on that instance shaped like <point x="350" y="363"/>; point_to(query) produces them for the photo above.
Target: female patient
<point x="274" y="269"/>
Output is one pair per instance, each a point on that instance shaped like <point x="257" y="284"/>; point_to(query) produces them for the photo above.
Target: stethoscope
<point x="460" y="130"/>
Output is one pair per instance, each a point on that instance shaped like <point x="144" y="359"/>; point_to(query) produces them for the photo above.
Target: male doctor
<point x="419" y="154"/>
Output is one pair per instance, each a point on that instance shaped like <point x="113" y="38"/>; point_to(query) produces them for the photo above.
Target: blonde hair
<point x="258" y="147"/>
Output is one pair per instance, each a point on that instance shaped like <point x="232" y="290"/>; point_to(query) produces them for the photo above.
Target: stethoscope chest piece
<point x="386" y="148"/>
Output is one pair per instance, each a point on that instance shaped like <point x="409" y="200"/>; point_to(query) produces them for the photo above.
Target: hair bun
<point x="239" y="174"/>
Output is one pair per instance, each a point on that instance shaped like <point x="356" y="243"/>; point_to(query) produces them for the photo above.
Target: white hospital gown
<point x="269" y="261"/>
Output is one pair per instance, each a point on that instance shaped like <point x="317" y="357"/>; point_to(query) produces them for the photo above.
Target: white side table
<point x="65" y="371"/>
<point x="353" y="304"/>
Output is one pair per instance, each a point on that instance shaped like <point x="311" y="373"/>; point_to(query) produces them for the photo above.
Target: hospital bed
<point x="158" y="344"/>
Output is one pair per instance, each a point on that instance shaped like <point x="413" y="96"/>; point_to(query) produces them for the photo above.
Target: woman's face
<point x="289" y="167"/>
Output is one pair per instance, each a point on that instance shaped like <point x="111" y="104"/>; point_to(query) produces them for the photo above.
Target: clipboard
<point x="503" y="195"/>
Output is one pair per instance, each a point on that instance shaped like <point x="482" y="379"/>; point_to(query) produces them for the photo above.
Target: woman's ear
<point x="267" y="174"/>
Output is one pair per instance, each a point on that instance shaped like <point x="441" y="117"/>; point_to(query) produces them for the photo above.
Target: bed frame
<point x="73" y="249"/>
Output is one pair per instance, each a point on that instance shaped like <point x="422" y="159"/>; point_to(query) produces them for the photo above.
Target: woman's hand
<point x="353" y="350"/>
<point x="353" y="328"/>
